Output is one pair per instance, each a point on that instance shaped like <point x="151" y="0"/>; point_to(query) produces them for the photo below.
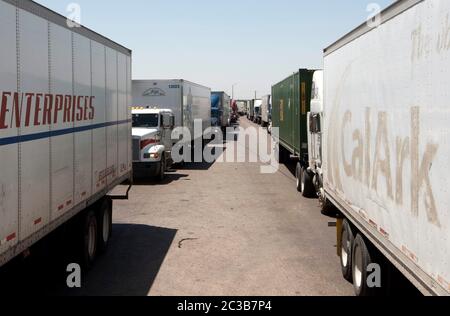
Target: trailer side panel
<point x="387" y="139"/>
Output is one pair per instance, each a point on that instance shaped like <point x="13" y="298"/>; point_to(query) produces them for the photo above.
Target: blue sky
<point x="253" y="43"/>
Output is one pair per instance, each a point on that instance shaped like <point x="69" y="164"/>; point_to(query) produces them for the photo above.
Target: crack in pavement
<point x="180" y="244"/>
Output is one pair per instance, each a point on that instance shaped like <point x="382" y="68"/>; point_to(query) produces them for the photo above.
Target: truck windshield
<point x="145" y="120"/>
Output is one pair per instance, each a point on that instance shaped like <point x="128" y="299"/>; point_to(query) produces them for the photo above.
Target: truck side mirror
<point x="168" y="121"/>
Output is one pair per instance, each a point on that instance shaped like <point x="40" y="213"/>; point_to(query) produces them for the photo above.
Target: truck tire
<point x="362" y="258"/>
<point x="346" y="251"/>
<point x="162" y="170"/>
<point x="298" y="176"/>
<point x="104" y="220"/>
<point x="308" y="188"/>
<point x="88" y="240"/>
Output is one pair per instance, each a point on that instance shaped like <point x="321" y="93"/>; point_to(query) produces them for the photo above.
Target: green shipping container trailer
<point x="291" y="102"/>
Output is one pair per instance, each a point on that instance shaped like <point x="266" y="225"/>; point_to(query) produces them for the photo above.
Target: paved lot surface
<point x="209" y="229"/>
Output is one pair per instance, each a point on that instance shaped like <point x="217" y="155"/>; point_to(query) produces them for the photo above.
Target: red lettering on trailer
<point x="4" y="110"/>
<point x="80" y="113"/>
<point x="91" y="106"/>
<point x="67" y="108"/>
<point x="68" y="202"/>
<point x="86" y="108"/>
<point x="59" y="101"/>
<point x="28" y="111"/>
<point x="37" y="109"/>
<point x="47" y="113"/>
<point x="19" y="110"/>
<point x="74" y="106"/>
<point x="38" y="221"/>
<point x="60" y="207"/>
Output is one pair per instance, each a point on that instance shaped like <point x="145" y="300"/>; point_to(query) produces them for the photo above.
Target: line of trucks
<point x="74" y="125"/>
<point x="257" y="110"/>
<point x="369" y="133"/>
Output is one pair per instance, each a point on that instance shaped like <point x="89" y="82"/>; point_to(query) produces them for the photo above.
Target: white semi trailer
<point x="386" y="146"/>
<point x="65" y="128"/>
<point x="265" y="110"/>
<point x="188" y="101"/>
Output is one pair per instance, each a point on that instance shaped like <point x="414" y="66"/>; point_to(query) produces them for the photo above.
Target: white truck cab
<point x="152" y="142"/>
<point x="315" y="123"/>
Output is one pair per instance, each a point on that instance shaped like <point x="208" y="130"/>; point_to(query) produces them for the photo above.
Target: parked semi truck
<point x="220" y="109"/>
<point x="152" y="141"/>
<point x="242" y="107"/>
<point x="254" y="108"/>
<point x="65" y="130"/>
<point x="248" y="107"/>
<point x="385" y="147"/>
<point x="251" y="111"/>
<point x="291" y="102"/>
<point x="188" y="102"/>
<point x="257" y="111"/>
<point x="266" y="110"/>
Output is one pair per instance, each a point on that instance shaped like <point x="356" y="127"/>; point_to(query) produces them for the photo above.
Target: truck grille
<point x="136" y="149"/>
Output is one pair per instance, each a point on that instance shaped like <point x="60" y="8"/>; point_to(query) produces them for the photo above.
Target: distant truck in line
<point x="257" y="111"/>
<point x="152" y="141"/>
<point x="242" y="107"/>
<point x="379" y="149"/>
<point x="70" y="146"/>
<point x="188" y="102"/>
<point x="291" y="102"/>
<point x="220" y="109"/>
<point x="254" y="110"/>
<point x="266" y="111"/>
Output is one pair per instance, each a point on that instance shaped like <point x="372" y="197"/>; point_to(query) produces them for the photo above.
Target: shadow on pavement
<point x="291" y="166"/>
<point x="171" y="176"/>
<point x="129" y="268"/>
<point x="199" y="166"/>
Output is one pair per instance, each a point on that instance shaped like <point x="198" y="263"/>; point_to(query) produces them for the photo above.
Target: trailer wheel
<point x="347" y="241"/>
<point x="104" y="219"/>
<point x="89" y="239"/>
<point x="162" y="170"/>
<point x="362" y="258"/>
<point x="308" y="188"/>
<point x="298" y="176"/>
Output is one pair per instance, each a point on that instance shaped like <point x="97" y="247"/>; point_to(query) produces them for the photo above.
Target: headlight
<point x="151" y="156"/>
